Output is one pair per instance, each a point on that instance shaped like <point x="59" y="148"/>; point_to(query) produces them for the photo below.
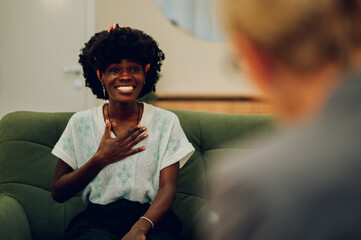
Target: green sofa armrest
<point x="13" y="221"/>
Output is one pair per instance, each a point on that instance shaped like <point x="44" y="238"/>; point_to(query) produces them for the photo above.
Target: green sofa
<point x="27" y="210"/>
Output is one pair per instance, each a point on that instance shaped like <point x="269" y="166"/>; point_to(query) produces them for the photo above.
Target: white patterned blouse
<point x="135" y="178"/>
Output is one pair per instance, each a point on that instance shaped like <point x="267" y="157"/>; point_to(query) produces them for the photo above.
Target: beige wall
<point x="39" y="38"/>
<point x="31" y="76"/>
<point x="192" y="66"/>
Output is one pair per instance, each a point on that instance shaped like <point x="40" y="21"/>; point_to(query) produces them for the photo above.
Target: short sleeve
<point x="178" y="149"/>
<point x="64" y="149"/>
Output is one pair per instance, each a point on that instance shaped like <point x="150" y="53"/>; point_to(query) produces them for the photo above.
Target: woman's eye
<point x="114" y="70"/>
<point x="134" y="69"/>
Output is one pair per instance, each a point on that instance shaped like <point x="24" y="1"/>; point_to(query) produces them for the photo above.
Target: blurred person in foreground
<point x="306" y="182"/>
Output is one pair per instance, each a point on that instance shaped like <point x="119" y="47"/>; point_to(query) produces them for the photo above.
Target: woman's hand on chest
<point x="112" y="150"/>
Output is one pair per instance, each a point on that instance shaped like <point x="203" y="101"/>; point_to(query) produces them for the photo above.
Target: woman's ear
<point x="146" y="68"/>
<point x="99" y="76"/>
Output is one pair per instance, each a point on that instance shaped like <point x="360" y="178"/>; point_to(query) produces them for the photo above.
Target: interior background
<point x="195" y="71"/>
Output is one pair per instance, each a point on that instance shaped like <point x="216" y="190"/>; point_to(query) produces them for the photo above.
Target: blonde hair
<point x="304" y="34"/>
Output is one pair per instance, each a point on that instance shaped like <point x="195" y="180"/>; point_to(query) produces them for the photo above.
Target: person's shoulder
<point x="85" y="114"/>
<point x="160" y="112"/>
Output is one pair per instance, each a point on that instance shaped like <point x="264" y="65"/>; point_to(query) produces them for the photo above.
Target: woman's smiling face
<point x="123" y="80"/>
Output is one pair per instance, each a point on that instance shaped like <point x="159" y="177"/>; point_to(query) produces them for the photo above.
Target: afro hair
<point x="109" y="47"/>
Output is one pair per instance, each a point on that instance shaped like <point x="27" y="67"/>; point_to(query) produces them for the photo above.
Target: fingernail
<point x="144" y="128"/>
<point x="145" y="135"/>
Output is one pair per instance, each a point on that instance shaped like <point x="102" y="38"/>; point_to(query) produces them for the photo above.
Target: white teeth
<point x="125" y="88"/>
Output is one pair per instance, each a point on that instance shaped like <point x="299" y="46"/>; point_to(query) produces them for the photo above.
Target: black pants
<point x="114" y="220"/>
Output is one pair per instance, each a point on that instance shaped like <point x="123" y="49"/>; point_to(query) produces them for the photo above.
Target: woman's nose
<point x="125" y="78"/>
<point x="125" y="75"/>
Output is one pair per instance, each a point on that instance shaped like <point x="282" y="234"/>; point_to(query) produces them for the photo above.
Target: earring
<point x="104" y="90"/>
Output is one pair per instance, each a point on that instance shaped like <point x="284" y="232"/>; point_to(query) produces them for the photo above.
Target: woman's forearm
<point x="164" y="200"/>
<point x="69" y="184"/>
<point x="161" y="205"/>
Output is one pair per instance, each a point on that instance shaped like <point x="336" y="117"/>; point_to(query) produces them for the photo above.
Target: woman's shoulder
<point x="86" y="114"/>
<point x="160" y="112"/>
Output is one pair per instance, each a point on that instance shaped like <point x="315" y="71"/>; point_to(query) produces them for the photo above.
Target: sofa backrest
<point x="27" y="165"/>
<point x="211" y="134"/>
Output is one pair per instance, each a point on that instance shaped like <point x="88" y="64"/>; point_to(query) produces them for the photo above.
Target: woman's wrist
<point x="148" y="220"/>
<point x="142" y="225"/>
<point x="98" y="162"/>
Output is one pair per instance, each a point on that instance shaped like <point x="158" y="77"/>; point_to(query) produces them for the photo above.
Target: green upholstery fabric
<point x="13" y="220"/>
<point x="27" y="166"/>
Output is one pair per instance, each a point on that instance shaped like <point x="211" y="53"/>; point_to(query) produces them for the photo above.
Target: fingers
<point x="135" y="137"/>
<point x="133" y="134"/>
<point x="136" y="150"/>
<point x="137" y="140"/>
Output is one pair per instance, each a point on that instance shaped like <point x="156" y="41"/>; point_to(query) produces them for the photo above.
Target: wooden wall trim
<point x="215" y="103"/>
<point x="211" y="97"/>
